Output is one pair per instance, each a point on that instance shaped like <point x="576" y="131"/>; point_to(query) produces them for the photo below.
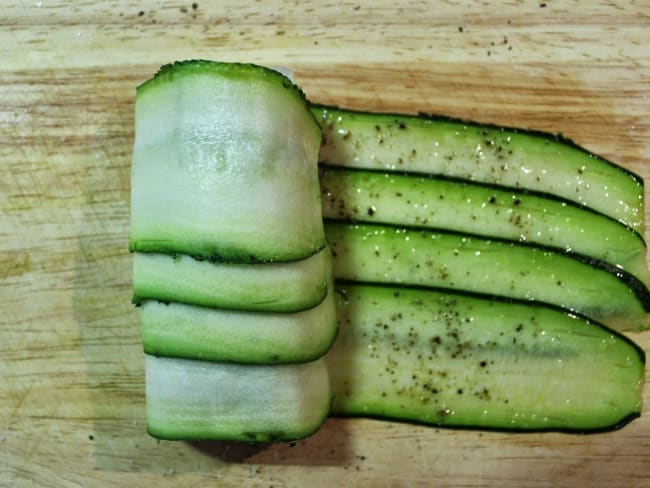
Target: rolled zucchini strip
<point x="265" y="287"/>
<point x="225" y="165"/>
<point x="196" y="400"/>
<point x="188" y="331"/>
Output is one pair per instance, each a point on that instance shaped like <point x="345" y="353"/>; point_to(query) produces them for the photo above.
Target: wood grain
<point x="71" y="394"/>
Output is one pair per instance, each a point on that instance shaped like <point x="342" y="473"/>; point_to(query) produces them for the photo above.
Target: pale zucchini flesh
<point x="262" y="287"/>
<point x="467" y="150"/>
<point x="202" y="400"/>
<point x="402" y="256"/>
<point x="456" y="360"/>
<point x="188" y="331"/>
<point x="225" y="165"/>
<point x="422" y="201"/>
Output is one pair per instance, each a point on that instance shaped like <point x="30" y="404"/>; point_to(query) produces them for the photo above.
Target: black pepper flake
<point x="517" y="201"/>
<point x="401" y="125"/>
<point x="183" y="9"/>
<point x="91" y="437"/>
<point x="460" y="28"/>
<point x="492" y="199"/>
<point x="483" y="364"/>
<point x="195" y="6"/>
<point x="371" y="211"/>
<point x="292" y="444"/>
<point x="140" y="13"/>
<point x="542" y="5"/>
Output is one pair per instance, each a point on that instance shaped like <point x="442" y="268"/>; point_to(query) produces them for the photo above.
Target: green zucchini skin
<point x="397" y="255"/>
<point x="206" y="400"/>
<point x="188" y="331"/>
<point x="261" y="287"/>
<point x="450" y="359"/>
<point x="215" y="144"/>
<point x="421" y="201"/>
<point x="514" y="158"/>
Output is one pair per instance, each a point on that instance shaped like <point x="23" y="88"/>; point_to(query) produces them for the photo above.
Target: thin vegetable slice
<point x="188" y="331"/>
<point x="225" y="165"/>
<point x="267" y="287"/>
<point x="456" y="360"/>
<point x="188" y="399"/>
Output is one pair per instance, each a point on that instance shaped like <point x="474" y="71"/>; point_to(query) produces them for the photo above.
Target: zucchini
<point x="267" y="287"/>
<point x="513" y="158"/>
<point x="478" y="209"/>
<point x="387" y="254"/>
<point x="188" y="331"/>
<point x="195" y="400"/>
<point x="457" y="360"/>
<point x="225" y="165"/>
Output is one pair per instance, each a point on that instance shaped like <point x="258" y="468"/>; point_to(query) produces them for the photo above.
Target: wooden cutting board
<point x="71" y="366"/>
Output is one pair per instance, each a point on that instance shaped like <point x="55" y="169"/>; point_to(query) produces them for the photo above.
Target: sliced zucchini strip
<point x="456" y="360"/>
<point x="188" y="331"/>
<point x="189" y="399"/>
<point x="267" y="287"/>
<point x="225" y="165"/>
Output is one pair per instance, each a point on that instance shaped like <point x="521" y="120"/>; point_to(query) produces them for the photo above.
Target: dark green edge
<point x="225" y="258"/>
<point x="252" y="437"/>
<point x="632" y="282"/>
<point x="275" y="359"/>
<point x="168" y="72"/>
<point x="503" y="300"/>
<point x="493" y="186"/>
<point x="425" y="117"/>
<point x="524" y="430"/>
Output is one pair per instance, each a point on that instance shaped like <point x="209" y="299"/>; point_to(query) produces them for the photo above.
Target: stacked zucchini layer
<point x="230" y="264"/>
<point x="475" y="266"/>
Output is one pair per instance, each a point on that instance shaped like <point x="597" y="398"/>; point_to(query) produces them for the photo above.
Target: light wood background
<point x="71" y="366"/>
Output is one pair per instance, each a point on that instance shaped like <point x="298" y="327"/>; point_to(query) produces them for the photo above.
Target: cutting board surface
<point x="72" y="409"/>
